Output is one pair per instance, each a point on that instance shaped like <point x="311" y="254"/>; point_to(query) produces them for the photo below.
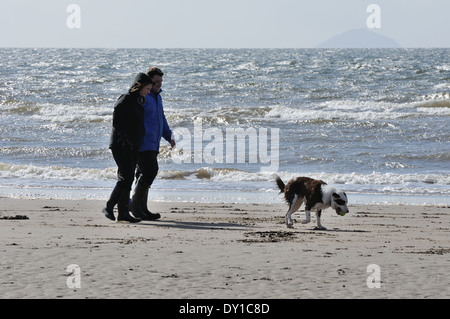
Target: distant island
<point x="360" y="38"/>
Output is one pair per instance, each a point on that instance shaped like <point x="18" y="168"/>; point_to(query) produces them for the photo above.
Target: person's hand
<point x="172" y="144"/>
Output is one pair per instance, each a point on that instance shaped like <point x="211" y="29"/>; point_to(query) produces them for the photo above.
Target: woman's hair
<point x="140" y="81"/>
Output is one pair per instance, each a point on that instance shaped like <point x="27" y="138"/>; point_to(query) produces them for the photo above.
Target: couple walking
<point x="138" y="125"/>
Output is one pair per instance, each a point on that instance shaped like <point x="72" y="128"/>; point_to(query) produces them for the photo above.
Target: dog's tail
<point x="280" y="183"/>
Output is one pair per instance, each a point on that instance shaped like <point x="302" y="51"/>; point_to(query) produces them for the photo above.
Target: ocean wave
<point x="215" y="174"/>
<point x="374" y="178"/>
<point x="58" y="113"/>
<point x="217" y="116"/>
<point x="73" y="114"/>
<point x="219" y="174"/>
<point x="328" y="111"/>
<point x="54" y="152"/>
<point x="29" y="171"/>
<point x="436" y="100"/>
<point x="12" y="106"/>
<point x="361" y="110"/>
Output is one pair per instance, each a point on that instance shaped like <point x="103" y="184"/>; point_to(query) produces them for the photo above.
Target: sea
<point x="371" y="122"/>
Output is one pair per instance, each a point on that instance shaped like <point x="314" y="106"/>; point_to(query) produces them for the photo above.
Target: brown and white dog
<point x="316" y="195"/>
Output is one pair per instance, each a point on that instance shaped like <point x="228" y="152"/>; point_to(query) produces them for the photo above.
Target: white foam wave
<point x="13" y="171"/>
<point x="66" y="180"/>
<point x="433" y="104"/>
<point x="73" y="113"/>
<point x="362" y="110"/>
<point x="9" y="171"/>
<point x="219" y="174"/>
<point x="59" y="113"/>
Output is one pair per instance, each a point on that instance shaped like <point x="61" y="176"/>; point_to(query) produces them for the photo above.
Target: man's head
<point x="156" y="75"/>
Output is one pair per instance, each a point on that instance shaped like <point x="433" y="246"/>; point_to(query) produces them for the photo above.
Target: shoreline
<point x="223" y="250"/>
<point x="216" y="196"/>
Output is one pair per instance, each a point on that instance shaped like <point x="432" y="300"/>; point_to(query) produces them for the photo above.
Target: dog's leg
<point x="308" y="208"/>
<point x="307" y="216"/>
<point x="291" y="210"/>
<point x="319" y="225"/>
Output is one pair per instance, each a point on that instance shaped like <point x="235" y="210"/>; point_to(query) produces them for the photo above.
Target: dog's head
<point x="339" y="203"/>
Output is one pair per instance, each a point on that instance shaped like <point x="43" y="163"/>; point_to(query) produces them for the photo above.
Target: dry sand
<point x="222" y="251"/>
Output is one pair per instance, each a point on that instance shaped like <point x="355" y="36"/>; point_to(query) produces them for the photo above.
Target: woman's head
<point x="145" y="90"/>
<point x="142" y="84"/>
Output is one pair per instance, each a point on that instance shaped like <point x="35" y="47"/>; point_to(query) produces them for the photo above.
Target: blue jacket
<point x="155" y="123"/>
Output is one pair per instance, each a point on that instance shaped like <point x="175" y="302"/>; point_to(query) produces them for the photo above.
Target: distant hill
<point x="360" y="38"/>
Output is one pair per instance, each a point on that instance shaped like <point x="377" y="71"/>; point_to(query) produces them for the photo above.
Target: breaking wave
<point x="362" y="183"/>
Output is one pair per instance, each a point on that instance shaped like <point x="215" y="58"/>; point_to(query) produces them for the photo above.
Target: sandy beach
<point x="222" y="251"/>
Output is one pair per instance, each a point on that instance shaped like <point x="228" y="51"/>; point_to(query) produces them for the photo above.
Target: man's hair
<point x="153" y="70"/>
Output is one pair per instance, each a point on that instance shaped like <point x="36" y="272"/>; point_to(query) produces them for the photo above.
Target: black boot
<point x="122" y="205"/>
<point x="138" y="194"/>
<point x="112" y="201"/>
<point x="148" y="215"/>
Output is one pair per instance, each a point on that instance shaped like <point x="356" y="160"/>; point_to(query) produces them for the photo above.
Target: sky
<point x="216" y="23"/>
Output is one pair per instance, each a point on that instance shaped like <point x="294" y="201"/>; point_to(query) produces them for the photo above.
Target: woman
<point x="126" y="139"/>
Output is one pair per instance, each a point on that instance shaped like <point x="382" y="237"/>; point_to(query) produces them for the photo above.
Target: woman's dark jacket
<point x="128" y="122"/>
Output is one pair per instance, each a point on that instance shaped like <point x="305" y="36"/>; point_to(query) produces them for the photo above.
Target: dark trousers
<point x="126" y="160"/>
<point x="147" y="162"/>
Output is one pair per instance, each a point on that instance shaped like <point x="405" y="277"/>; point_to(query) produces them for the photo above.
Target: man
<point x="155" y="127"/>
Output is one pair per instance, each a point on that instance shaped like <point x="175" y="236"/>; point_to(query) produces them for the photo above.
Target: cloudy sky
<point x="215" y="23"/>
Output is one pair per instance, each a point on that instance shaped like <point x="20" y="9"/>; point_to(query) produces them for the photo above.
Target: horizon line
<point x="217" y="48"/>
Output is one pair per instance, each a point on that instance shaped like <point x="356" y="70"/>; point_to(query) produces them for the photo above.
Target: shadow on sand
<point x="194" y="225"/>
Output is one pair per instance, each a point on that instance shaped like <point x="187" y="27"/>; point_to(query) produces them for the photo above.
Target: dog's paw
<point x="319" y="228"/>
<point x="290" y="225"/>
